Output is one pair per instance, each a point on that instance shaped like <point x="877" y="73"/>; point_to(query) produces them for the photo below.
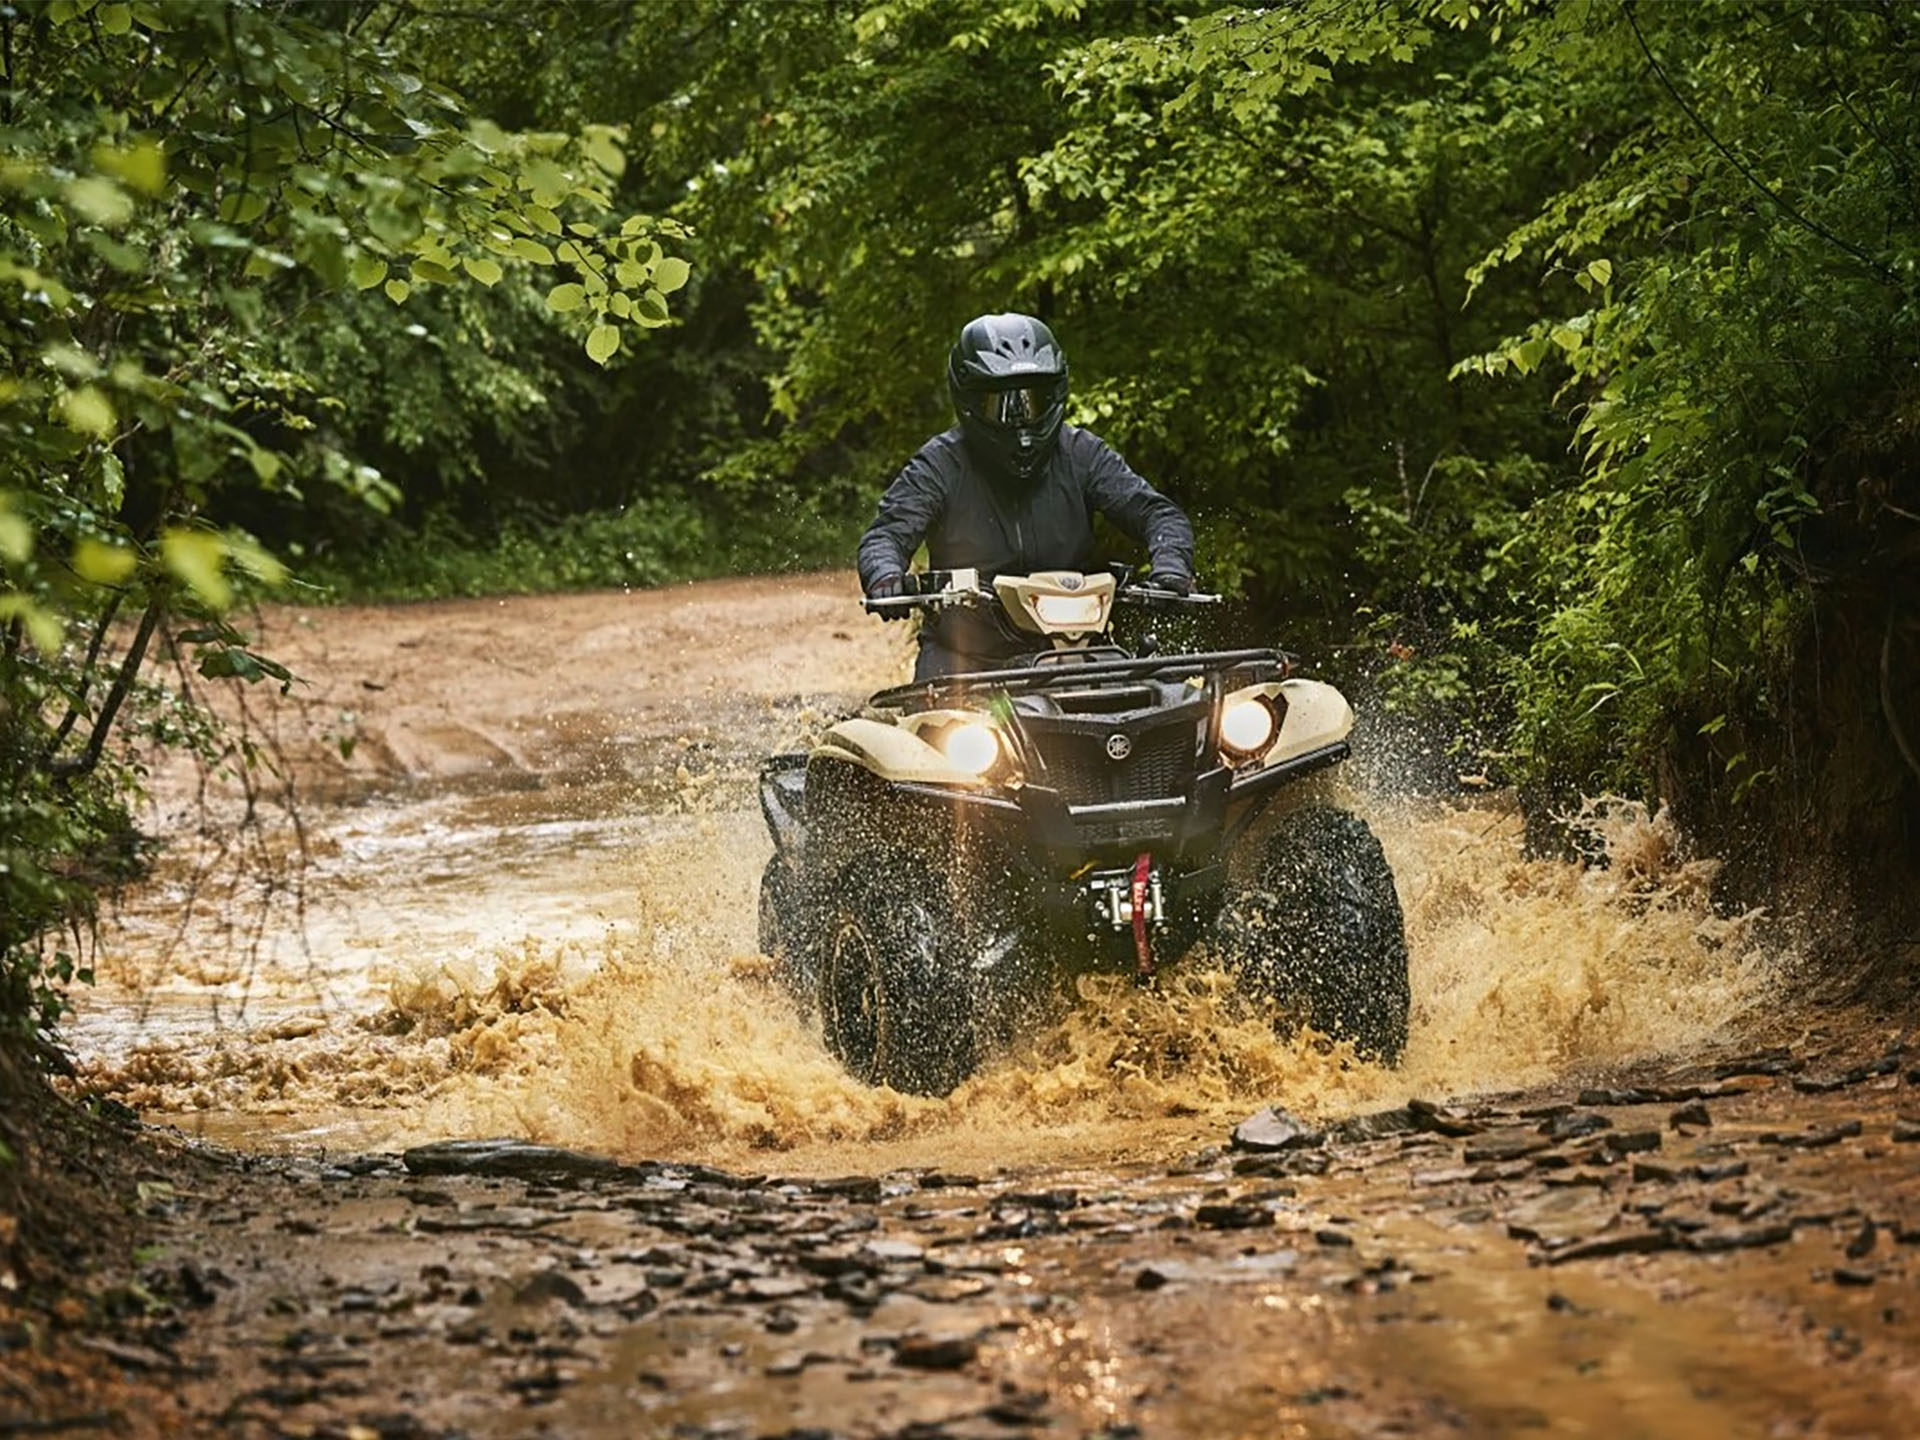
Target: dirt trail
<point x="1614" y="1191"/>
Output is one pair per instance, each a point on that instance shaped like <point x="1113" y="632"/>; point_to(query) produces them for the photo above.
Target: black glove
<point x="1178" y="581"/>
<point x="887" y="587"/>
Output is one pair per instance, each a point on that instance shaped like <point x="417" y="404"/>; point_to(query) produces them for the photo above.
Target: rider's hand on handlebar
<point x="1178" y="581"/>
<point x="889" y="587"/>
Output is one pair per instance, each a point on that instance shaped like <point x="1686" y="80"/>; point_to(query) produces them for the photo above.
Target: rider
<point x="1010" y="490"/>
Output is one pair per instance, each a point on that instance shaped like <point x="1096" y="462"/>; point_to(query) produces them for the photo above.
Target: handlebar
<point x="948" y="596"/>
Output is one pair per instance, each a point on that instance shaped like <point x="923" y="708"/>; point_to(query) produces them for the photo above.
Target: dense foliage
<point x="1559" y="363"/>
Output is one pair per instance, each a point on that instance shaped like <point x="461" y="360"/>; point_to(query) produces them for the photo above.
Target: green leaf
<point x="141" y="166"/>
<point x="88" y="410"/>
<point x="16" y="536"/>
<point x="42" y="625"/>
<point x="99" y="201"/>
<point x="194" y="558"/>
<point x="565" y="297"/>
<point x="1567" y="338"/>
<point x="398" y="290"/>
<point x="99" y="563"/>
<point x="670" y="274"/>
<point x="532" y="250"/>
<point x="487" y="272"/>
<point x="601" y="343"/>
<point x="428" y="270"/>
<point x="1601" y="271"/>
<point x="367" y="272"/>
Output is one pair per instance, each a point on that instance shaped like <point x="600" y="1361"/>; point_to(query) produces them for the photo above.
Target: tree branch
<point x="1746" y="171"/>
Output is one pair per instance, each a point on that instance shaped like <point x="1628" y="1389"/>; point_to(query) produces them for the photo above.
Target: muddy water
<point x="527" y="909"/>
<point x="560" y="943"/>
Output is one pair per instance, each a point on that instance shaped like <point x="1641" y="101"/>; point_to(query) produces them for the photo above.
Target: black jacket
<point x="945" y="497"/>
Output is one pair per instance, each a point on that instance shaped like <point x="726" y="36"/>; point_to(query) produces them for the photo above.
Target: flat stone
<point x="1443" y="1119"/>
<point x="1814" y="1137"/>
<point x="1631" y="1142"/>
<point x="1508" y="1145"/>
<point x="1574" y="1124"/>
<point x="1695" y="1114"/>
<point x="939" y="1351"/>
<point x="1232" y="1217"/>
<point x="893" y="1252"/>
<point x="516" y="1158"/>
<point x="1270" y="1129"/>
<point x="1739" y="1237"/>
<point x="1562" y="1216"/>
<point x="772" y="1287"/>
<point x="1377" y="1126"/>
<point x="1623" y="1242"/>
<point x="1657" y="1172"/>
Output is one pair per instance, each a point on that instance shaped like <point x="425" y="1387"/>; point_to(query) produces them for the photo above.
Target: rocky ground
<point x="1727" y="1248"/>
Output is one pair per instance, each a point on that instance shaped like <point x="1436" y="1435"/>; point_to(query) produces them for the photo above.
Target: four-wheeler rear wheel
<point x="895" y="1003"/>
<point x="1321" y="934"/>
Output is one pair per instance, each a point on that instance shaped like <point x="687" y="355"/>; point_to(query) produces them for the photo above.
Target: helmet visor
<point x="1022" y="405"/>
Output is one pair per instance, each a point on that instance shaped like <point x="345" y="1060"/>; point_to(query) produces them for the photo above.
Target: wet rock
<point x="860" y="1291"/>
<point x="1631" y="1142"/>
<point x="1621" y="1242"/>
<point x="1726" y="1170"/>
<point x="1739" y="1237"/>
<point x="1286" y="1163"/>
<point x="1906" y="1131"/>
<point x="940" y="1180"/>
<point x="1575" y="1123"/>
<point x="1695" y="1114"/>
<point x="1334" y="1239"/>
<point x="1862" y="1243"/>
<point x="945" y="1350"/>
<point x="1562" y="1216"/>
<point x="1825" y="1084"/>
<point x="551" y="1285"/>
<point x="488" y="1217"/>
<point x="1814" y="1137"/>
<point x="1452" y="1175"/>
<point x="892" y="1252"/>
<point x="1379" y="1125"/>
<point x="948" y="1289"/>
<point x="1508" y="1145"/>
<point x="1271" y="1129"/>
<point x="1057" y="1200"/>
<point x="861" y="1189"/>
<point x="1776" y="1061"/>
<point x="764" y="1288"/>
<point x="1443" y="1119"/>
<point x="1617" y="1097"/>
<point x="517" y="1158"/>
<point x="1223" y="1216"/>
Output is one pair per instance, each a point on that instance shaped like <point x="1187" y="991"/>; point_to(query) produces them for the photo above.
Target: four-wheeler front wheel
<point x="1322" y="936"/>
<point x="895" y="1003"/>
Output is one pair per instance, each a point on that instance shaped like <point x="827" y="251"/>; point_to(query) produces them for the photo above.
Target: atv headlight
<point x="971" y="746"/>
<point x="1247" y="727"/>
<point x="1083" y="612"/>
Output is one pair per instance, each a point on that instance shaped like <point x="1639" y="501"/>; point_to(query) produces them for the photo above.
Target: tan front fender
<point x="1317" y="716"/>
<point x="892" y="753"/>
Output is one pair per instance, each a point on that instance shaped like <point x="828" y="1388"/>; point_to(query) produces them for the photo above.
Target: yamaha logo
<point x="1118" y="747"/>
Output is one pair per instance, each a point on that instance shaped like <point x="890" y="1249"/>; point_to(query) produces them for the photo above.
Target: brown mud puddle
<point x="528" y="910"/>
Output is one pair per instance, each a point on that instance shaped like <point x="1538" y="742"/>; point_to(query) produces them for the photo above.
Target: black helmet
<point x="1008" y="378"/>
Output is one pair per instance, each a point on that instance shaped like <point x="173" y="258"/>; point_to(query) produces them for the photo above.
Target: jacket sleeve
<point x="908" y="510"/>
<point x="1140" y="511"/>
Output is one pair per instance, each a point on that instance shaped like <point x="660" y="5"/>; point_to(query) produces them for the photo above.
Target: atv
<point x="962" y="845"/>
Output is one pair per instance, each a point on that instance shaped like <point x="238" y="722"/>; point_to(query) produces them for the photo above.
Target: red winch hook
<point x="1142" y="947"/>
